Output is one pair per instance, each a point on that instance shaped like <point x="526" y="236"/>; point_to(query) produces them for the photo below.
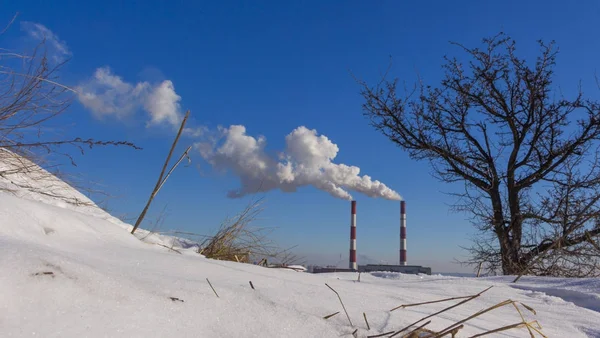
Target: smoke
<point x="306" y="161"/>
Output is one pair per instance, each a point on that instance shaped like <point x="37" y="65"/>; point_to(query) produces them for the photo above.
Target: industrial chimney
<point x="402" y="233"/>
<point x="353" y="265"/>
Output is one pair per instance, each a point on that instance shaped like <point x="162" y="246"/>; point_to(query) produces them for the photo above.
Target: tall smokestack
<point x="353" y="264"/>
<point x="402" y="233"/>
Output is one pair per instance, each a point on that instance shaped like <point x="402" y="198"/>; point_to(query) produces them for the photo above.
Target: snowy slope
<point x="74" y="272"/>
<point x="25" y="179"/>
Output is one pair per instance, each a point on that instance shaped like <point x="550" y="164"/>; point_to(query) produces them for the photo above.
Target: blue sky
<point x="273" y="66"/>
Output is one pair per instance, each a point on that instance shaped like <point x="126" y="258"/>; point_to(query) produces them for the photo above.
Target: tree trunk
<point x="508" y="242"/>
<point x="511" y="263"/>
<point x="510" y="248"/>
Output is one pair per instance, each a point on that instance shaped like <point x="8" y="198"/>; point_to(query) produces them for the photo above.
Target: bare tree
<point x="31" y="96"/>
<point x="527" y="155"/>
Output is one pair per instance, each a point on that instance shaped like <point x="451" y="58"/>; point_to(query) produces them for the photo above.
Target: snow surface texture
<point x="69" y="271"/>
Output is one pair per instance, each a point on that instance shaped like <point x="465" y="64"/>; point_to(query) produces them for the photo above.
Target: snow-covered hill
<point x="25" y="179"/>
<point x="71" y="270"/>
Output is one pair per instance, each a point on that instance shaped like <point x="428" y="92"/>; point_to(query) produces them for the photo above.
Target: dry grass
<point x="533" y="326"/>
<point x="238" y="240"/>
<point x="344" y="307"/>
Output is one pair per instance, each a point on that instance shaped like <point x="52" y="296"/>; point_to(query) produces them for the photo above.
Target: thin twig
<point x="381" y="335"/>
<point x="179" y="252"/>
<point x="40" y="79"/>
<point x="591" y="240"/>
<point x="413" y="331"/>
<point x="212" y="288"/>
<point x="367" y="322"/>
<point x="184" y="155"/>
<point x="540" y="256"/>
<point x="504" y="328"/>
<point x="340" y="298"/>
<point x="331" y="315"/>
<point x="431" y="302"/>
<point x="406" y="328"/>
<point x="252" y="286"/>
<point x="10" y="23"/>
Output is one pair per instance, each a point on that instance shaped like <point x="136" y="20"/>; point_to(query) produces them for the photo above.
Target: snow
<point x="582" y="292"/>
<point x="73" y="270"/>
<point x="24" y="179"/>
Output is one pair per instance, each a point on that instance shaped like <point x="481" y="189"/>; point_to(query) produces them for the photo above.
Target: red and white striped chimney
<point x="353" y="264"/>
<point x="402" y="233"/>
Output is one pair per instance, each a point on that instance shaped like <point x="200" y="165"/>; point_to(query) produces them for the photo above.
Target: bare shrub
<point x="31" y="97"/>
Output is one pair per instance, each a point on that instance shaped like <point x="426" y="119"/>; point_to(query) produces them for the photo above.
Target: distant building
<point x="408" y="269"/>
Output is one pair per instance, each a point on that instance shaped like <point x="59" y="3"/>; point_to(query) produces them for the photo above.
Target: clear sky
<point x="273" y="66"/>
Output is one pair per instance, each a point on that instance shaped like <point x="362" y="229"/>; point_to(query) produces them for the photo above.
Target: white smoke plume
<point x="307" y="160"/>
